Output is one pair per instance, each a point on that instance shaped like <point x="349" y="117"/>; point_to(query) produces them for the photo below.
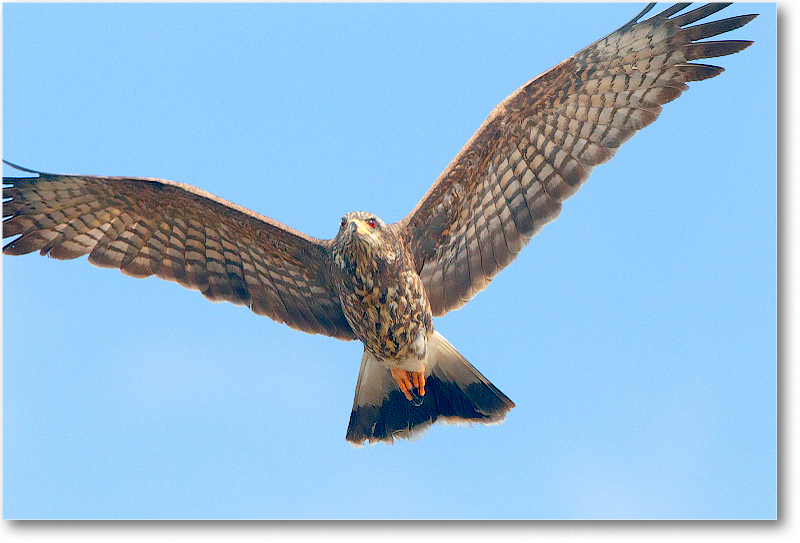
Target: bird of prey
<point x="381" y="283"/>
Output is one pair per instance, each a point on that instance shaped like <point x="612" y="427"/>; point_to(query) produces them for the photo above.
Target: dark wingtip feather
<point x="20" y="168"/>
<point x="699" y="72"/>
<point x="12" y="249"/>
<point x="672" y="10"/>
<point x="711" y="49"/>
<point x="699" y="13"/>
<point x="641" y="14"/>
<point x="714" y="28"/>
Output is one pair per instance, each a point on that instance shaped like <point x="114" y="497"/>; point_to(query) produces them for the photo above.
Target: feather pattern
<point x="457" y="393"/>
<point x="379" y="283"/>
<point x="540" y="144"/>
<point x="179" y="233"/>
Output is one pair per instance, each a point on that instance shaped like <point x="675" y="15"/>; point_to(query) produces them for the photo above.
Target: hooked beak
<point x="357" y="225"/>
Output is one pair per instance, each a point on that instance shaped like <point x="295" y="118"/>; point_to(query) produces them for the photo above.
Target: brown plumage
<point x="379" y="283"/>
<point x="381" y="295"/>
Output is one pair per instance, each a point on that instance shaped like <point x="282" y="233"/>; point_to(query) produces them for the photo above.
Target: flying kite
<point x="380" y="283"/>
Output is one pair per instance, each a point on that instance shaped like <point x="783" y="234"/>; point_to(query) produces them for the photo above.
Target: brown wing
<point x="150" y="227"/>
<point x="540" y="144"/>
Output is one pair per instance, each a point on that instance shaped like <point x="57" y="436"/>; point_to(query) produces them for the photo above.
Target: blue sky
<point x="636" y="334"/>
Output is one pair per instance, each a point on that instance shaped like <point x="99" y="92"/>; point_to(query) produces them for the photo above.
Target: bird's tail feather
<point x="455" y="392"/>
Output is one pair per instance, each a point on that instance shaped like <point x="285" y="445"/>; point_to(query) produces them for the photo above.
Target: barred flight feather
<point x="540" y="144"/>
<point x="150" y="227"/>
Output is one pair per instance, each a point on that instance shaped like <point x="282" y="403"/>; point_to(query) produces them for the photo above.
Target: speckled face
<point x="362" y="241"/>
<point x="366" y="225"/>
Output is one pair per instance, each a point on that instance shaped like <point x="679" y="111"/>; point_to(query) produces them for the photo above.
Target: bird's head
<point x="364" y="234"/>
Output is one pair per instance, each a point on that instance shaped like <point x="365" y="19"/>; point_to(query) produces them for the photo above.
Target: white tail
<point x="455" y="392"/>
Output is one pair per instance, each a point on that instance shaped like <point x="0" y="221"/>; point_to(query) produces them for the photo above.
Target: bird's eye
<point x="344" y="221"/>
<point x="372" y="223"/>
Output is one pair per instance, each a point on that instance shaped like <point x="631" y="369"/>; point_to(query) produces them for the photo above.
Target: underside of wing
<point x="541" y="143"/>
<point x="148" y="227"/>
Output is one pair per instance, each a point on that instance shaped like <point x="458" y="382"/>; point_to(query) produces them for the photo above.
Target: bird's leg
<point x="408" y="381"/>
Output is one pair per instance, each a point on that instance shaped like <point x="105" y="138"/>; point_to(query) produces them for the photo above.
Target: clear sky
<point x="636" y="334"/>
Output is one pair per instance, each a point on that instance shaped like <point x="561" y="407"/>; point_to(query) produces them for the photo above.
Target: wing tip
<point x="21" y="168"/>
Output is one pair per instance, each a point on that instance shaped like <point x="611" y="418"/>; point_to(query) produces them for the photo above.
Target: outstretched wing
<point x="176" y="232"/>
<point x="540" y="144"/>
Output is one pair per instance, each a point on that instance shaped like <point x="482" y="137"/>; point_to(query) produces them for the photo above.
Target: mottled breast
<point x="382" y="296"/>
<point x="392" y="317"/>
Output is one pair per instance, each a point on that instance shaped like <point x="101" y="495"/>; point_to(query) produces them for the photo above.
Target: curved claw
<point x="409" y="382"/>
